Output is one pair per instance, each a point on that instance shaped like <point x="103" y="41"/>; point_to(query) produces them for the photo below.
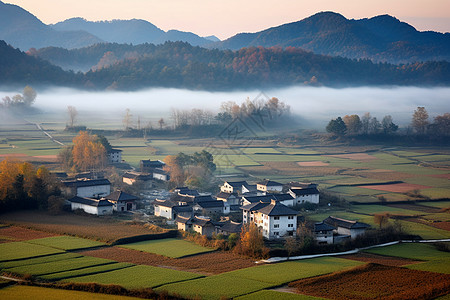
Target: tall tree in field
<point x="251" y="241"/>
<point x="72" y="111"/>
<point x="353" y="123"/>
<point x="161" y="123"/>
<point x="365" y="121"/>
<point x="441" y="125"/>
<point x="420" y="120"/>
<point x="175" y="168"/>
<point x="388" y="125"/>
<point x="127" y="119"/>
<point x="29" y="95"/>
<point x="337" y="127"/>
<point x="88" y="153"/>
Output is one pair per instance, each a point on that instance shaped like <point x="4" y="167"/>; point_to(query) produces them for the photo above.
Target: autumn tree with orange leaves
<point x="88" y="152"/>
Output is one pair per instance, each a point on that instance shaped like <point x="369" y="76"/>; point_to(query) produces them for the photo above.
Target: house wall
<point x="275" y="188"/>
<point x="162" y="177"/>
<point x="94" y="191"/>
<point x="115" y="157"/>
<point x="129" y="181"/>
<point x="324" y="237"/>
<point x="280" y="226"/>
<point x="226" y="188"/>
<point x="93" y="210"/>
<point x="162" y="211"/>
<point x="123" y="204"/>
<point x="207" y="230"/>
<point x="356" y="232"/>
<point x="314" y="198"/>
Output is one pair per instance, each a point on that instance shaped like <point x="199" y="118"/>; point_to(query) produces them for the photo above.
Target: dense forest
<point x="180" y="65"/>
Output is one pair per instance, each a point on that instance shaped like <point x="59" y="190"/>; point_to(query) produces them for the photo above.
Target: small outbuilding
<point x="91" y="206"/>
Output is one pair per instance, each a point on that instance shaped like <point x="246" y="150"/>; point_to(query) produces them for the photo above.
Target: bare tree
<point x="420" y="120"/>
<point x="72" y="111"/>
<point x="127" y="121"/>
<point x="161" y="123"/>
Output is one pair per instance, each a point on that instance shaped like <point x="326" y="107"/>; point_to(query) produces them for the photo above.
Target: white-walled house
<point x="347" y="227"/>
<point x="170" y="209"/>
<point x="204" y="226"/>
<point x="323" y="233"/>
<point x="310" y="195"/>
<point x="92" y="206"/>
<point x="232" y="186"/>
<point x="91" y="188"/>
<point x="274" y="219"/>
<point x="269" y="186"/>
<point x="115" y="156"/>
<point x="122" y="201"/>
<point x="285" y="199"/>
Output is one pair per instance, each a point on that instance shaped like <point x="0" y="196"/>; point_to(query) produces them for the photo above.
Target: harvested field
<point x="106" y="228"/>
<point x="208" y="263"/>
<point x="442" y="225"/>
<point x="355" y="156"/>
<point x="446" y="176"/>
<point x="312" y="164"/>
<point x="381" y="259"/>
<point x="396" y="188"/>
<point x="374" y="281"/>
<point x="416" y="207"/>
<point x="15" y="233"/>
<point x="384" y="175"/>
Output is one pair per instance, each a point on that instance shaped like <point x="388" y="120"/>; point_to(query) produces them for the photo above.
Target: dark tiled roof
<point x="165" y="203"/>
<point x="210" y="204"/>
<point x="277" y="209"/>
<point x="204" y="198"/>
<point x="251" y="187"/>
<point x="322" y="227"/>
<point x="91" y="202"/>
<point x="181" y="198"/>
<point x="307" y="191"/>
<point x="268" y="182"/>
<point x="230" y="226"/>
<point x="194" y="220"/>
<point x="86" y="182"/>
<point x="152" y="163"/>
<point x="254" y="206"/>
<point x="268" y="198"/>
<point x="114" y="151"/>
<point x="121" y="196"/>
<point x="188" y="192"/>
<point x="300" y="185"/>
<point x="182" y="208"/>
<point x="183" y="220"/>
<point x="338" y="222"/>
<point x="236" y="184"/>
<point x="223" y="195"/>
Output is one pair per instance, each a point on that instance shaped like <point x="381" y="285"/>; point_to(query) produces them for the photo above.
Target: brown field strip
<point x="105" y="229"/>
<point x="312" y="164"/>
<point x="22" y="234"/>
<point x="396" y="188"/>
<point x="354" y="156"/>
<point x="446" y="176"/>
<point x="374" y="281"/>
<point x="416" y="207"/>
<point x="208" y="263"/>
<point x="380" y="259"/>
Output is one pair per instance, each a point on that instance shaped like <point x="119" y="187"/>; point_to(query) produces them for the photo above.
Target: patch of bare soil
<point x="374" y="281"/>
<point x="380" y="259"/>
<point x="208" y="263"/>
<point x="15" y="233"/>
<point x="312" y="164"/>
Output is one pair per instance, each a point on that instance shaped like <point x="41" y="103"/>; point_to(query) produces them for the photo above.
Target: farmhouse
<point x="204" y="226"/>
<point x="346" y="227"/>
<point x="87" y="187"/>
<point x="91" y="206"/>
<point x="233" y="186"/>
<point x="323" y="233"/>
<point x="310" y="195"/>
<point x="228" y="227"/>
<point x="131" y="177"/>
<point x="170" y="209"/>
<point x="285" y="199"/>
<point x="274" y="218"/>
<point x="148" y="166"/>
<point x="211" y="207"/>
<point x="160" y="174"/>
<point x="269" y="186"/>
<point x="122" y="201"/>
<point x="114" y="156"/>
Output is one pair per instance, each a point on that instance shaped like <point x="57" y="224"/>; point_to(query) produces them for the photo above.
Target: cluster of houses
<point x="94" y="196"/>
<point x="149" y="170"/>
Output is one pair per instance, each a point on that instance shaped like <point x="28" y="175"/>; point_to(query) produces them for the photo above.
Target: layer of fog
<point x="316" y="106"/>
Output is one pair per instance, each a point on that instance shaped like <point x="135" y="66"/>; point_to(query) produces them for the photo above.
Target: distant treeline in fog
<point x="180" y="65"/>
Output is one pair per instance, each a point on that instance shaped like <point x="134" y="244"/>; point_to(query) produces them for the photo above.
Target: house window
<point x="290" y="217"/>
<point x="276" y="226"/>
<point x="276" y="233"/>
<point x="290" y="225"/>
<point x="276" y="218"/>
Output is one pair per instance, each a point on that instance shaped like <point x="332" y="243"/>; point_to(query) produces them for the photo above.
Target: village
<point x="270" y="205"/>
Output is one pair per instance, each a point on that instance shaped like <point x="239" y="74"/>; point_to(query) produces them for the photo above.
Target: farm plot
<point x="23" y="292"/>
<point x="86" y="271"/>
<point x="15" y="233"/>
<point x="20" y="250"/>
<point x="396" y="188"/>
<point x="66" y="242"/>
<point x="60" y="266"/>
<point x="275" y="295"/>
<point x="376" y="209"/>
<point x="245" y="281"/>
<point x="138" y="277"/>
<point x="174" y="248"/>
<point x="374" y="281"/>
<point x="38" y="260"/>
<point x="211" y="262"/>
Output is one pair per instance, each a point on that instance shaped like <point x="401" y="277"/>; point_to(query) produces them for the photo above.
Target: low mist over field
<point x="316" y="105"/>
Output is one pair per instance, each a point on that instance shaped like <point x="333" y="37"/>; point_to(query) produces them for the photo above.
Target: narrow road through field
<point x="39" y="127"/>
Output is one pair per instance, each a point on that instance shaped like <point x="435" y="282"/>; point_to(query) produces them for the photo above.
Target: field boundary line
<point x="354" y="251"/>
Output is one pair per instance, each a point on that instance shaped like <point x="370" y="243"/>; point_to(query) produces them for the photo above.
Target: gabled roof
<point x="236" y="184"/>
<point x="301" y="185"/>
<point x="267" y="198"/>
<point x="194" y="220"/>
<point x="224" y="195"/>
<point x="338" y="222"/>
<point x="307" y="191"/>
<point x="182" y="208"/>
<point x="210" y="204"/>
<point x="323" y="227"/>
<point x="230" y="226"/>
<point x="188" y="192"/>
<point x="165" y="203"/>
<point x="275" y="208"/>
<point x="86" y="182"/>
<point x="267" y="182"/>
<point x="90" y="201"/>
<point x="183" y="220"/>
<point x="254" y="206"/>
<point x="113" y="150"/>
<point x="182" y="198"/>
<point x="204" y="198"/>
<point x="152" y="163"/>
<point x="121" y="196"/>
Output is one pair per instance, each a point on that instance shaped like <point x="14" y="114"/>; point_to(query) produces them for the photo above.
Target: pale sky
<point x="225" y="18"/>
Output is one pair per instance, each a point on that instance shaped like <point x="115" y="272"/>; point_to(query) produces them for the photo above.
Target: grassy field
<point x="38" y="260"/>
<point x="86" y="271"/>
<point x="66" y="242"/>
<point x="20" y="250"/>
<point x="22" y="292"/>
<point x="245" y="281"/>
<point x="169" y="247"/>
<point x="274" y="295"/>
<point x="138" y="277"/>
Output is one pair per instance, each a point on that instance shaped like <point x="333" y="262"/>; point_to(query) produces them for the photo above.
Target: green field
<point x="38" y="260"/>
<point x="245" y="281"/>
<point x="65" y="242"/>
<point x="86" y="271"/>
<point x="60" y="266"/>
<point x="168" y="247"/>
<point x="138" y="277"/>
<point x="19" y="250"/>
<point x="22" y="292"/>
<point x="274" y="295"/>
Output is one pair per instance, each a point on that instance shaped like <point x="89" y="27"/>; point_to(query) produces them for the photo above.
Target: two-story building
<point x="122" y="201"/>
<point x="91" y="206"/>
<point x="274" y="219"/>
<point x="305" y="195"/>
<point x="170" y="209"/>
<point x="345" y="227"/>
<point x="323" y="233"/>
<point x="91" y="188"/>
<point x="269" y="186"/>
<point x="232" y="186"/>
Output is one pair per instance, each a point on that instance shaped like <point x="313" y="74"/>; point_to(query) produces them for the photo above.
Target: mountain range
<point x="381" y="38"/>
